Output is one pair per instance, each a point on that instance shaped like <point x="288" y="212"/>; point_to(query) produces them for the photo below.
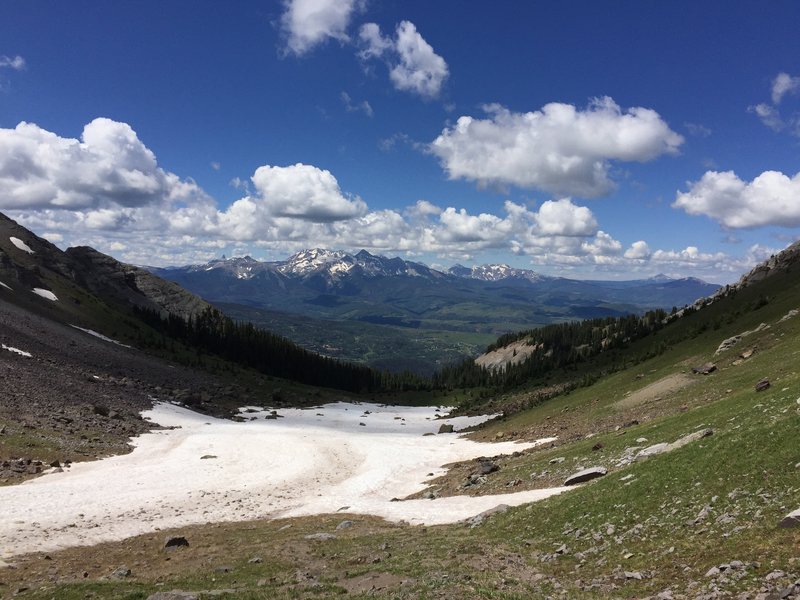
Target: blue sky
<point x="588" y="139"/>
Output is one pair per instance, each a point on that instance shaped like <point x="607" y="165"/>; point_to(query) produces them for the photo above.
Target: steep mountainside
<point x="576" y="354"/>
<point x="81" y="283"/>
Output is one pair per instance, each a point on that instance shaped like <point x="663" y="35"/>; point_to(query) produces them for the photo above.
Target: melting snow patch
<point x="301" y="464"/>
<point x="45" y="294"/>
<point x="17" y="351"/>
<point x="21" y="245"/>
<point x="101" y="336"/>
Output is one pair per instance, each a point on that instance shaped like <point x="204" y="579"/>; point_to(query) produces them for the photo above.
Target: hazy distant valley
<point x="395" y="314"/>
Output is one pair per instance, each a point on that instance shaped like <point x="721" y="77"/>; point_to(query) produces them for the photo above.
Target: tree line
<point x="243" y="343"/>
<point x="552" y="347"/>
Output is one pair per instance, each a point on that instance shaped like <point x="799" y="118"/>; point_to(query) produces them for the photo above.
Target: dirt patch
<point x="656" y="390"/>
<point x="372" y="583"/>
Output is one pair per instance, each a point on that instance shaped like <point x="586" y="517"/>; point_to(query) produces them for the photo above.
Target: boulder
<point x="480" y="518"/>
<point x="176" y="542"/>
<point x="688" y="439"/>
<point x="585" y="475"/>
<point x="762" y="385"/>
<point x="446" y="428"/>
<point x="791" y="520"/>
<point x="121" y="573"/>
<point x="320" y="537"/>
<point x="652" y="451"/>
<point x="486" y="467"/>
<point x="728" y="344"/>
<point x="704" y="369"/>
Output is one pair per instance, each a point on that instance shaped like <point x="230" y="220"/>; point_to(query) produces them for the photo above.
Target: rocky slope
<point x="73" y="284"/>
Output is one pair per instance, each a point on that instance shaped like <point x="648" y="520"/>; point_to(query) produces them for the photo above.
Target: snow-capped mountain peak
<point x="495" y="272"/>
<point x="310" y="261"/>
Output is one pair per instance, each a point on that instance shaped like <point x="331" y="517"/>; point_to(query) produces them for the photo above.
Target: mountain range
<point x="398" y="314"/>
<point x="337" y="269"/>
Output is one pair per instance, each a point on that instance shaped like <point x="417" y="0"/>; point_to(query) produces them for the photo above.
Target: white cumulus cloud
<point x="638" y="251"/>
<point x="108" y="165"/>
<point x="304" y="192"/>
<point x="772" y="198"/>
<point x="562" y="217"/>
<point x="559" y="148"/>
<point x="308" y="23"/>
<point x="413" y="64"/>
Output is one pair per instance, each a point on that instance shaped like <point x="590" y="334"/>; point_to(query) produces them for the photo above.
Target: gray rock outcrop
<point x="585" y="475"/>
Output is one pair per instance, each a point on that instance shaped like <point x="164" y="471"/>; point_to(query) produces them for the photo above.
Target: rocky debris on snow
<point x="480" y="518"/>
<point x="791" y="520"/>
<point x="176" y="542"/>
<point x="585" y="475"/>
<point x="762" y="385"/>
<point x="446" y="428"/>
<point x="704" y="369"/>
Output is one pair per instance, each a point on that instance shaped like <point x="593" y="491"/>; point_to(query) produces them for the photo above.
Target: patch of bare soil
<point x="656" y="390"/>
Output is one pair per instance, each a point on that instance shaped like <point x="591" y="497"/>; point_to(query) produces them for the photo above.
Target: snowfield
<point x="45" y="294"/>
<point x="101" y="336"/>
<point x="17" y="351"/>
<point x="21" y="245"/>
<point x="304" y="462"/>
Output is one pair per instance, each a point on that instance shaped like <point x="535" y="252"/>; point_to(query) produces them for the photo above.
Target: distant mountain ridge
<point x="337" y="265"/>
